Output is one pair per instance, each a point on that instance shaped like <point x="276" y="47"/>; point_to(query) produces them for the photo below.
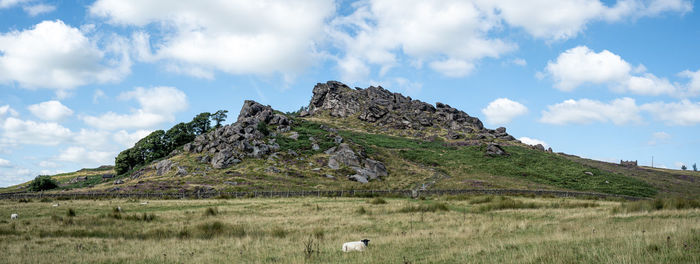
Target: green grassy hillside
<point x="412" y="163"/>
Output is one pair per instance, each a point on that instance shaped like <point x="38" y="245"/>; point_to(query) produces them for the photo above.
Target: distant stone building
<point x="628" y="163"/>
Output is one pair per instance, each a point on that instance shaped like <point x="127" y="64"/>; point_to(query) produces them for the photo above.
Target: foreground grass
<point x="311" y="230"/>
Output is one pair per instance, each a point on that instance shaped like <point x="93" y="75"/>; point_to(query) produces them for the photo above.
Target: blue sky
<point x="610" y="80"/>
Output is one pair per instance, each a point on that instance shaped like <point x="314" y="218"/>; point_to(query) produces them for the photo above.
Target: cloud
<point x="15" y="176"/>
<point x="683" y="113"/>
<point x="86" y="157"/>
<point x="48" y="164"/>
<point x="12" y="3"/>
<point x="586" y="111"/>
<point x="659" y="138"/>
<point x="502" y="111"/>
<point x="564" y="19"/>
<point x="50" y="110"/>
<point x="5" y="163"/>
<point x="519" y="61"/>
<point x="71" y="60"/>
<point x="157" y="105"/>
<point x="533" y="141"/>
<point x="450" y="35"/>
<point x="16" y="131"/>
<point x="236" y="37"/>
<point x="580" y="66"/>
<point x="127" y="139"/>
<point x="34" y="10"/>
<point x="7" y="110"/>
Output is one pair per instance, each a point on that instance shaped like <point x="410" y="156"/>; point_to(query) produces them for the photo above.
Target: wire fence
<point x="306" y="193"/>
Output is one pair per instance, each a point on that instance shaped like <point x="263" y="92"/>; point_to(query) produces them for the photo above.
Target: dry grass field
<point x="467" y="229"/>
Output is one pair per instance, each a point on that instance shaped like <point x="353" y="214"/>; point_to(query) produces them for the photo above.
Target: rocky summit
<point x="382" y="107"/>
<point x="254" y="133"/>
<point x="247" y="137"/>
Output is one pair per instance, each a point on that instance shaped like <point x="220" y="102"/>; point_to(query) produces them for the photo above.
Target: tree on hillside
<point x="695" y="167"/>
<point x="42" y="183"/>
<point x="200" y="124"/>
<point x="683" y="167"/>
<point x="219" y="117"/>
<point x="178" y="135"/>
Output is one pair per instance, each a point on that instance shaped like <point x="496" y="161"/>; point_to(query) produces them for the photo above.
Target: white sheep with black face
<point x="14" y="216"/>
<point x="356" y="245"/>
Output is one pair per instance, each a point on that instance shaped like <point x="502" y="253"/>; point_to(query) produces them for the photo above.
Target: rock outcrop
<point x="365" y="169"/>
<point x="382" y="107"/>
<point x="495" y="150"/>
<point x="247" y="137"/>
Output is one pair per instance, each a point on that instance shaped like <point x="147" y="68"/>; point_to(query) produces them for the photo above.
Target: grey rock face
<point x="119" y="181"/>
<point x="380" y="106"/>
<point x="228" y="145"/>
<point x="495" y="150"/>
<point x="365" y="169"/>
<point x="163" y="167"/>
<point x="78" y="179"/>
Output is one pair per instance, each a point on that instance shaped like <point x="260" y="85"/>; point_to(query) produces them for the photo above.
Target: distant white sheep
<point x="55" y="205"/>
<point x="356" y="245"/>
<point x="14" y="216"/>
<point x="144" y="203"/>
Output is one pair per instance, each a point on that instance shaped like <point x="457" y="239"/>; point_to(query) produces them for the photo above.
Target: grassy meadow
<point x="446" y="229"/>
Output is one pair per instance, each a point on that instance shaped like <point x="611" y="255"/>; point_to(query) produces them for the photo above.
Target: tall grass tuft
<point x="674" y="203"/>
<point x="377" y="201"/>
<point x="432" y="207"/>
<point x="211" y="211"/>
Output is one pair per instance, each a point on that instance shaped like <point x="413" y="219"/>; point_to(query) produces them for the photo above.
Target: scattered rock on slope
<point x="365" y="169"/>
<point x="380" y="106"/>
<point x="230" y="144"/>
<point x="495" y="150"/>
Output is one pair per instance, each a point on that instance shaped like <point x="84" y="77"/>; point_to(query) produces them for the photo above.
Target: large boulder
<point x="365" y="169"/>
<point x="495" y="150"/>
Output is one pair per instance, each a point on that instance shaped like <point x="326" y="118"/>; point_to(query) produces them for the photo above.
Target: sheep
<point x="356" y="245"/>
<point x="144" y="203"/>
<point x="55" y="205"/>
<point x="14" y="216"/>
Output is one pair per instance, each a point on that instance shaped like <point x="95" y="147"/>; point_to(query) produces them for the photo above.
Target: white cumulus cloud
<point x="17" y="131"/>
<point x="38" y="9"/>
<point x="57" y="56"/>
<point x="236" y="37"/>
<point x="586" y="111"/>
<point x="50" y="110"/>
<point x="503" y="110"/>
<point x="5" y="163"/>
<point x="86" y="157"/>
<point x="127" y="139"/>
<point x="580" y="66"/>
<point x="563" y="19"/>
<point x="684" y="113"/>
<point x="157" y="105"/>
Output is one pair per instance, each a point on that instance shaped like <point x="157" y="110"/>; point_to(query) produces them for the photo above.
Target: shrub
<point x="209" y="230"/>
<point x="361" y="210"/>
<point x="211" y="211"/>
<point x="675" y="203"/>
<point x="377" y="201"/>
<point x="319" y="233"/>
<point x="279" y="232"/>
<point x="70" y="213"/>
<point x="42" y="183"/>
<point x="432" y="207"/>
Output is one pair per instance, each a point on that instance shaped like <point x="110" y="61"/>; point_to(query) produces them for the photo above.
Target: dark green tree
<point x="683" y="167"/>
<point x="219" y="117"/>
<point x="42" y="183"/>
<point x="200" y="124"/>
<point x="178" y="135"/>
<point x="695" y="167"/>
<point x="152" y="147"/>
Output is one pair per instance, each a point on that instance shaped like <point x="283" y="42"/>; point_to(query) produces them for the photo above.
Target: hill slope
<point x="374" y="139"/>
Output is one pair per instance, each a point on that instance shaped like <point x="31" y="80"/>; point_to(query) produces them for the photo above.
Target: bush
<point x="433" y="207"/>
<point x="70" y="213"/>
<point x="211" y="211"/>
<point x="361" y="210"/>
<point x="279" y="232"/>
<point x="377" y="201"/>
<point x="42" y="183"/>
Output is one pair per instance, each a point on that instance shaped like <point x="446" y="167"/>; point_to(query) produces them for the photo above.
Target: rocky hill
<point x="368" y="139"/>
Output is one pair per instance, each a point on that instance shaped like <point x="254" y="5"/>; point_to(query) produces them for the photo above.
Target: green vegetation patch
<point x="525" y="163"/>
